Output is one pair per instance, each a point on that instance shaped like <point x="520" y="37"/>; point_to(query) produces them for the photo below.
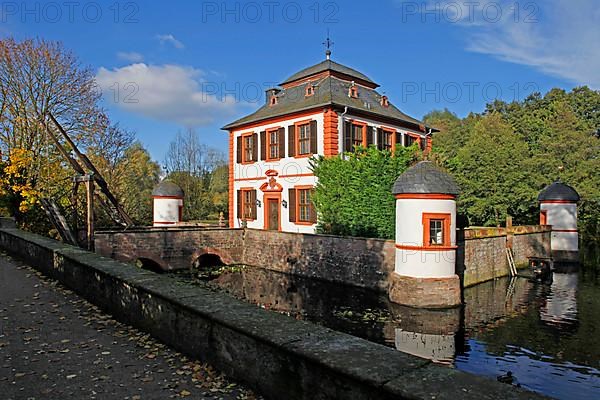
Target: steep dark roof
<point x="425" y="177"/>
<point x="559" y="191"/>
<point x="330" y="91"/>
<point x="328" y="65"/>
<point x="167" y="188"/>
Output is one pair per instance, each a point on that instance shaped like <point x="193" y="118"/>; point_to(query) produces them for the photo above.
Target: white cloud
<point x="170" y="39"/>
<point x="171" y="93"/>
<point x="557" y="37"/>
<point x="132" y="56"/>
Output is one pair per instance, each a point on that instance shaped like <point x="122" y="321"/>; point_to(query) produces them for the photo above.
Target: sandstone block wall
<point x="481" y="254"/>
<point x="359" y="262"/>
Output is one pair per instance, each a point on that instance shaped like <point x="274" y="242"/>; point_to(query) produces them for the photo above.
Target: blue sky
<point x="165" y="66"/>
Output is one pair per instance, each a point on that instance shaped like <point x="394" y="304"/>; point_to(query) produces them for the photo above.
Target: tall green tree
<point x="490" y="171"/>
<point x="548" y="137"/>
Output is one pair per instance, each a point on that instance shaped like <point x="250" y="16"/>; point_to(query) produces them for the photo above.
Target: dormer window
<point x="385" y="102"/>
<point x="273" y="100"/>
<point x="353" y="92"/>
<point x="310" y="90"/>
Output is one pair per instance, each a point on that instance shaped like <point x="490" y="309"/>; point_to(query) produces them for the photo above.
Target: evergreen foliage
<point x="354" y="192"/>
<point x="505" y="156"/>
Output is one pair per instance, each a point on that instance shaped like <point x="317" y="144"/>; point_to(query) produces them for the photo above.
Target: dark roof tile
<point x="559" y="191"/>
<point x="330" y="91"/>
<point x="423" y="178"/>
<point x="328" y="65"/>
<point x="167" y="188"/>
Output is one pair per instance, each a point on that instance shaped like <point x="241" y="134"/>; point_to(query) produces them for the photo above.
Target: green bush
<point x="354" y="197"/>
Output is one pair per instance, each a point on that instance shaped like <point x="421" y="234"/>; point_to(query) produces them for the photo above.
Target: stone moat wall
<point x="277" y="355"/>
<point x="481" y="254"/>
<point x="367" y="263"/>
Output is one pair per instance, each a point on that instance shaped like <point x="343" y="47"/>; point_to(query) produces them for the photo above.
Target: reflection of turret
<point x="430" y="334"/>
<point x="560" y="308"/>
<point x="438" y="348"/>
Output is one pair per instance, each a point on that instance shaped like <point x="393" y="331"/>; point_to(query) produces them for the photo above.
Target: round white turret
<point x="558" y="208"/>
<point x="425" y="222"/>
<point x="168" y="204"/>
<point x="425" y="263"/>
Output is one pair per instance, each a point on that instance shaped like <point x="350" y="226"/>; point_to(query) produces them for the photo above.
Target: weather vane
<point x="328" y="44"/>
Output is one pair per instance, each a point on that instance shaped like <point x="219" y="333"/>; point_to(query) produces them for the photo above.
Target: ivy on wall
<point x="354" y="197"/>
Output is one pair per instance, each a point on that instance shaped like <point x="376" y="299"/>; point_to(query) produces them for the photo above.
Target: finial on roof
<point x="328" y="43"/>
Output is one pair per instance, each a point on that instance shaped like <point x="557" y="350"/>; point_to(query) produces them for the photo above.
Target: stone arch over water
<point x="149" y="265"/>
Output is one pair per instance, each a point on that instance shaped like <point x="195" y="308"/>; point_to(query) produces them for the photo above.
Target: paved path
<point x="55" y="345"/>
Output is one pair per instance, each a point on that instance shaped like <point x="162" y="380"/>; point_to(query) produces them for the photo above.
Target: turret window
<point x="436" y="230"/>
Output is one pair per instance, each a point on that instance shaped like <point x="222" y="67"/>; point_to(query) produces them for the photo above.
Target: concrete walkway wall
<point x="281" y="357"/>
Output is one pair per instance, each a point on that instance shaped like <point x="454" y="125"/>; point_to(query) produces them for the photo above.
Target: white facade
<point x="287" y="172"/>
<point x="563" y="218"/>
<point x="413" y="258"/>
<point x="291" y="172"/>
<point x="167" y="211"/>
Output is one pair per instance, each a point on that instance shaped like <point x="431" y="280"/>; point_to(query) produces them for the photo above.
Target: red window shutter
<point x="253" y="200"/>
<point x="380" y="138"/>
<point x="369" y="135"/>
<point x="292" y="204"/>
<point x="313" y="137"/>
<point x="348" y="137"/>
<point x="254" y="147"/>
<point x="291" y="141"/>
<point x="281" y="143"/>
<point x="263" y="145"/>
<point x="313" y="210"/>
<point x="239" y="150"/>
<point x="240" y="200"/>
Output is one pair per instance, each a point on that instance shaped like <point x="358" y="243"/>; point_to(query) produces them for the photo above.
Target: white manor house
<point x="326" y="109"/>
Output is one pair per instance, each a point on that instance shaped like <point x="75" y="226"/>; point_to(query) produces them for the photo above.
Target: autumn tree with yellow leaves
<point x="38" y="77"/>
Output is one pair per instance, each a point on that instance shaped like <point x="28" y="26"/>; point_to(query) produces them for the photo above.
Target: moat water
<point x="546" y="334"/>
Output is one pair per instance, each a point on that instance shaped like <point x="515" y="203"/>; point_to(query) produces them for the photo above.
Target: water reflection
<point x="560" y="306"/>
<point x="439" y="348"/>
<point x="545" y="334"/>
